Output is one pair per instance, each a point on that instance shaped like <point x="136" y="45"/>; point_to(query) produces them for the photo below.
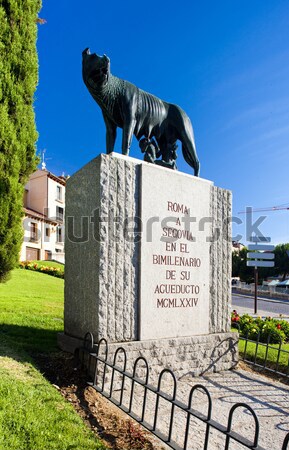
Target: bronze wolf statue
<point x="137" y="112"/>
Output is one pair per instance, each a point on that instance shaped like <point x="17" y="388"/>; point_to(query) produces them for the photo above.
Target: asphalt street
<point x="273" y="307"/>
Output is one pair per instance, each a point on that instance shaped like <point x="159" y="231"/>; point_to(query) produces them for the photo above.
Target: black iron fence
<point x="130" y="389"/>
<point x="269" y="356"/>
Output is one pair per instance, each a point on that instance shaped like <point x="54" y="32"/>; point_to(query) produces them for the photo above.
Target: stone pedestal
<point x="148" y="264"/>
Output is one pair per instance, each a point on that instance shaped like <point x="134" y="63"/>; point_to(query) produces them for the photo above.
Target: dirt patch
<point x="265" y="373"/>
<point x="108" y="422"/>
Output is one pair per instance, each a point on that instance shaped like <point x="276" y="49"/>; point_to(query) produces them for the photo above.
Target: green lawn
<point x="33" y="414"/>
<point x="272" y="355"/>
<point x="31" y="310"/>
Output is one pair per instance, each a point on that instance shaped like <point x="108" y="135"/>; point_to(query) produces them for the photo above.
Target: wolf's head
<point x="95" y="68"/>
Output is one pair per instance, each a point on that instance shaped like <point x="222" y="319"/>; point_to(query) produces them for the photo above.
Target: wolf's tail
<point x="186" y="136"/>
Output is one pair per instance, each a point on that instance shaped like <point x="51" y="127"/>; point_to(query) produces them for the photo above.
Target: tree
<point x="239" y="266"/>
<point x="18" y="81"/>
<point x="236" y="263"/>
<point x="282" y="260"/>
<point x="240" y="269"/>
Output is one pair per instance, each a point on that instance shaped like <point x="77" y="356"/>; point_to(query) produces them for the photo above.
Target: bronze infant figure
<point x="137" y="112"/>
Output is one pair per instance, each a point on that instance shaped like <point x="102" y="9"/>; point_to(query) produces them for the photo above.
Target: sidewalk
<point x="261" y="294"/>
<point x="268" y="398"/>
<point x="249" y="309"/>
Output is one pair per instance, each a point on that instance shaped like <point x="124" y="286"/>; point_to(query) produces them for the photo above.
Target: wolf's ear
<point x="86" y="52"/>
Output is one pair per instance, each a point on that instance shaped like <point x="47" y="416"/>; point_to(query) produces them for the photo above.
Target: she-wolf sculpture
<point x="137" y="112"/>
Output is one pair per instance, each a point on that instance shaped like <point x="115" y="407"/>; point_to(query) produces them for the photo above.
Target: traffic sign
<point x="260" y="252"/>
<point x="261" y="255"/>
<point x="258" y="263"/>
<point x="259" y="239"/>
<point x="261" y="247"/>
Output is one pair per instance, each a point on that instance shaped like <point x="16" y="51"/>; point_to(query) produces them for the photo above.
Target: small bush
<point x="54" y="271"/>
<point x="274" y="330"/>
<point x="251" y="330"/>
<point x="284" y="326"/>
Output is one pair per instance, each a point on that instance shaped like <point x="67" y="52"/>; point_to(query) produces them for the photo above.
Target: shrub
<point x="271" y="332"/>
<point x="235" y="318"/>
<point x="54" y="271"/>
<point x="284" y="326"/>
<point x="274" y="330"/>
<point x="245" y="320"/>
<point x="250" y="330"/>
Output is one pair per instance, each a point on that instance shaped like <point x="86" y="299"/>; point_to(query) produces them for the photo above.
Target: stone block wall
<point x="220" y="260"/>
<point x="193" y="355"/>
<point x="102" y="271"/>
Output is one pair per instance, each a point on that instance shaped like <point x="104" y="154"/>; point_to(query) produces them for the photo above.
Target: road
<point x="272" y="307"/>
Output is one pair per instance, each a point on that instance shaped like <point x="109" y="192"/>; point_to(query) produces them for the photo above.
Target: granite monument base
<point x="148" y="264"/>
<point x="194" y="355"/>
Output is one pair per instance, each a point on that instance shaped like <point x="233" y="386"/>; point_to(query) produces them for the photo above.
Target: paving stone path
<point x="268" y="398"/>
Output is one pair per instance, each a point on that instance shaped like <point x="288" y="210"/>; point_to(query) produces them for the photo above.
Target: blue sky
<point x="225" y="63"/>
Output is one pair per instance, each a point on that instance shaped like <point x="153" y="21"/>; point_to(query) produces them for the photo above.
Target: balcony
<point x="34" y="238"/>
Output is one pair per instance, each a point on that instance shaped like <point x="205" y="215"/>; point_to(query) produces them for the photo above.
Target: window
<point x="59" y="234"/>
<point x="59" y="193"/>
<point x="59" y="213"/>
<point x="47" y="231"/>
<point x="33" y="232"/>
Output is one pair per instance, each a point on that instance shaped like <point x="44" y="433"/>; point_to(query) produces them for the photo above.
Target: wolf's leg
<point x="189" y="153"/>
<point x="127" y="134"/>
<point x="110" y="133"/>
<point x="184" y="132"/>
<point x="186" y="136"/>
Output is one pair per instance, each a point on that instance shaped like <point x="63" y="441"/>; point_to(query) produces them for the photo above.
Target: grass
<point x="31" y="310"/>
<point x="272" y="355"/>
<point x="33" y="414"/>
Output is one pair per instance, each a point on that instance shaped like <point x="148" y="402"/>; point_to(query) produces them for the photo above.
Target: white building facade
<point x="44" y="208"/>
